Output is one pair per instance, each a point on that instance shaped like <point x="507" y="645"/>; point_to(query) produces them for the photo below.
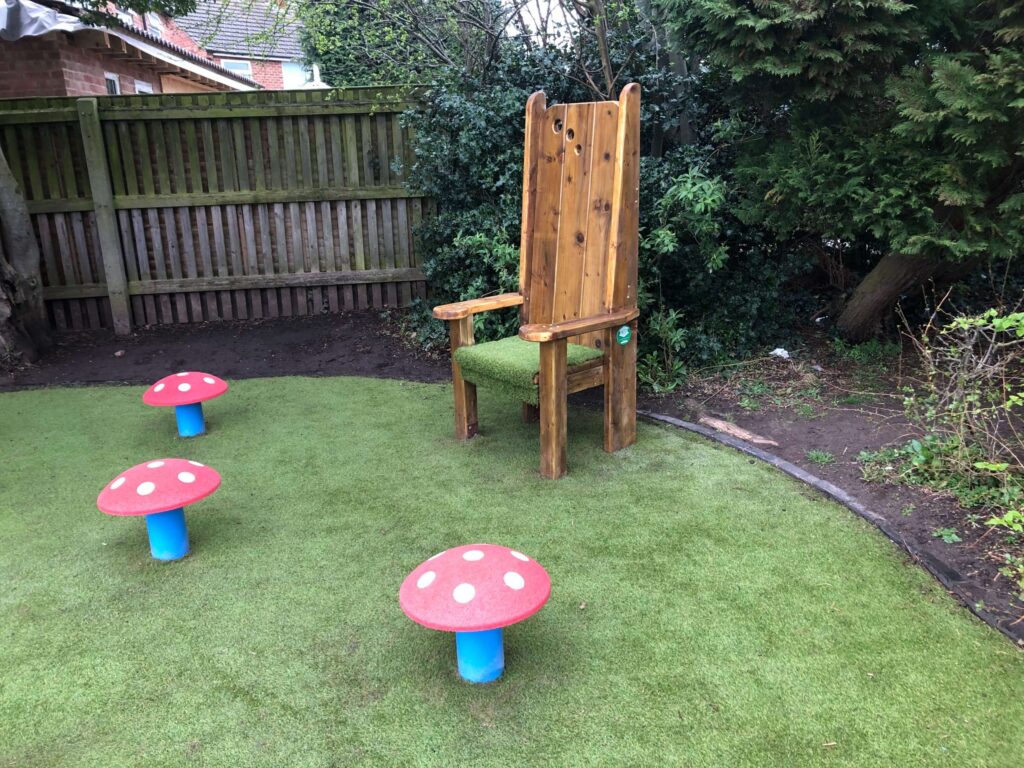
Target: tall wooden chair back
<point x="578" y="246"/>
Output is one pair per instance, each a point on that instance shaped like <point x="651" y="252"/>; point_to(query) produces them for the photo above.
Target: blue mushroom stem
<point x="168" y="536"/>
<point x="481" y="655"/>
<point x="190" y="419"/>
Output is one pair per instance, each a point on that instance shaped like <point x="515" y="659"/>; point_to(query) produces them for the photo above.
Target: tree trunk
<point x="877" y="294"/>
<point x="24" y="330"/>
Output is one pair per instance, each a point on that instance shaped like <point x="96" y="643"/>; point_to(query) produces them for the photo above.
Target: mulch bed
<point x="364" y="344"/>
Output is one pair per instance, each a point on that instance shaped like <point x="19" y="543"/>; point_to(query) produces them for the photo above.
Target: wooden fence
<point x="185" y="208"/>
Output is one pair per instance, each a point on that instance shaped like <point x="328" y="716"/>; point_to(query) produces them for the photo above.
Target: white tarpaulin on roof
<point x="24" y="18"/>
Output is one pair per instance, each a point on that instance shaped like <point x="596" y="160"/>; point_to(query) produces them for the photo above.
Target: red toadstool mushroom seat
<point x="185" y="388"/>
<point x="474" y="591"/>
<point x="186" y="392"/>
<point x="473" y="588"/>
<point x="160" y="490"/>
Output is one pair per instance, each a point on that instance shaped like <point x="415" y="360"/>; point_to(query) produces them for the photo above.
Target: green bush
<point x="709" y="285"/>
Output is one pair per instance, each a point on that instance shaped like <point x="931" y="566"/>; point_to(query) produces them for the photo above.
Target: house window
<point x="141" y="86"/>
<point x="238" y="66"/>
<point x="113" y="83"/>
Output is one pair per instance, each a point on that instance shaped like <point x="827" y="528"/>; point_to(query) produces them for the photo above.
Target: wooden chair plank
<point x="554" y="417"/>
<point x="547" y="208"/>
<point x="592" y="294"/>
<point x="465" y="393"/>
<point x="574" y="208"/>
<point x="621" y="278"/>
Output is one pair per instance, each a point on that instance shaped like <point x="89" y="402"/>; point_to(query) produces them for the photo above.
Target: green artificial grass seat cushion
<point x="511" y="364"/>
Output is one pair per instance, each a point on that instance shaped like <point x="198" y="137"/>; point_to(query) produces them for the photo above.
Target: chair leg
<point x="553" y="409"/>
<point x="619" y="391"/>
<point x="530" y="413"/>
<point x="461" y="332"/>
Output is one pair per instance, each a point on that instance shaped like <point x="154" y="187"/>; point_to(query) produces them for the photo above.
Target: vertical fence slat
<point x="106" y="220"/>
<point x="355" y="208"/>
<point x="84" y="266"/>
<point x="401" y="216"/>
<point x="370" y="220"/>
<point x="53" y="273"/>
<point x="250" y="258"/>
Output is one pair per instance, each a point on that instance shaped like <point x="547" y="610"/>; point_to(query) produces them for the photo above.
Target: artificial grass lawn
<point x="509" y="365"/>
<point x="706" y="611"/>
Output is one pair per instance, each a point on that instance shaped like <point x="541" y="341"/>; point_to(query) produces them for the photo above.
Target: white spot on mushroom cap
<point x="426" y="579"/>
<point x="519" y="555"/>
<point x="155" y="464"/>
<point x="145" y="488"/>
<point x="159" y="387"/>
<point x="117" y="483"/>
<point x="514" y="581"/>
<point x="184" y="387"/>
<point x="209" y="380"/>
<point x="183" y="373"/>
<point x="195" y="463"/>
<point x="186" y="477"/>
<point x="473" y="554"/>
<point x="463" y="593"/>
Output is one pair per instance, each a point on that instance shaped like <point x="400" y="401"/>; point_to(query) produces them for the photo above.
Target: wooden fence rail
<point x="186" y="208"/>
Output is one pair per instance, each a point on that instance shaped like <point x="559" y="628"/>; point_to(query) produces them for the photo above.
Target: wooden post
<point x="106" y="219"/>
<point x="619" y="391"/>
<point x="461" y="332"/>
<point x="530" y="413"/>
<point x="554" y="416"/>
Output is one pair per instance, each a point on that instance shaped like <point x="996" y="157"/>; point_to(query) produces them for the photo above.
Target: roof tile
<point x="254" y="29"/>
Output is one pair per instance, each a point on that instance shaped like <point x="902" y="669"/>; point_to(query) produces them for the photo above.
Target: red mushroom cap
<point x="473" y="588"/>
<point x="157" y="486"/>
<point x="185" y="388"/>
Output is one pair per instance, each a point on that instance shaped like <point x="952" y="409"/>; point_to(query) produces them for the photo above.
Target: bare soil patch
<point x="353" y="344"/>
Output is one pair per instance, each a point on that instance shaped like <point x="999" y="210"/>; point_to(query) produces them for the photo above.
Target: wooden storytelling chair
<point x="577" y="279"/>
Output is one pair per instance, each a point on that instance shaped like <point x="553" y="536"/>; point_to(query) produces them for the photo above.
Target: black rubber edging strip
<point x="948" y="576"/>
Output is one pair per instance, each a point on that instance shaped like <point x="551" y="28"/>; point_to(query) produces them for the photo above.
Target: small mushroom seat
<point x="186" y="392"/>
<point x="577" y="295"/>
<point x="475" y="590"/>
<point x="160" y="490"/>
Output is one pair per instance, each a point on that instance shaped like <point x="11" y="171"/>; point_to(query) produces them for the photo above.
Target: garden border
<point x="946" y="574"/>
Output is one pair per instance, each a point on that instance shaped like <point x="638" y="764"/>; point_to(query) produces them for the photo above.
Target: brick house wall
<point x="29" y="67"/>
<point x="52" y="66"/>
<point x="269" y="74"/>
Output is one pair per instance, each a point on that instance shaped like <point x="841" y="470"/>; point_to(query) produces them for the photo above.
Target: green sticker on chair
<point x="623" y="335"/>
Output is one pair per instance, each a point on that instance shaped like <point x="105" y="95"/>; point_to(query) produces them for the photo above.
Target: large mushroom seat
<point x="474" y="591"/>
<point x="160" y="490"/>
<point x="186" y="392"/>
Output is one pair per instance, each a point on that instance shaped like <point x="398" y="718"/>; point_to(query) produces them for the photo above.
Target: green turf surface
<point x="509" y="365"/>
<point x="706" y="610"/>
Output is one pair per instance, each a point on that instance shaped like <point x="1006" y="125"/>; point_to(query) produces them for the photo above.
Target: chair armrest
<point x="552" y="331"/>
<point x="462" y="309"/>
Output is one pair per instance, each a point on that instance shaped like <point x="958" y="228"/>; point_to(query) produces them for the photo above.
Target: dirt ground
<point x="808" y="403"/>
<point x="353" y="344"/>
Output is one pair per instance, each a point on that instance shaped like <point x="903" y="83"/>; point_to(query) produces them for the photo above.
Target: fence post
<point x="106" y="219"/>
